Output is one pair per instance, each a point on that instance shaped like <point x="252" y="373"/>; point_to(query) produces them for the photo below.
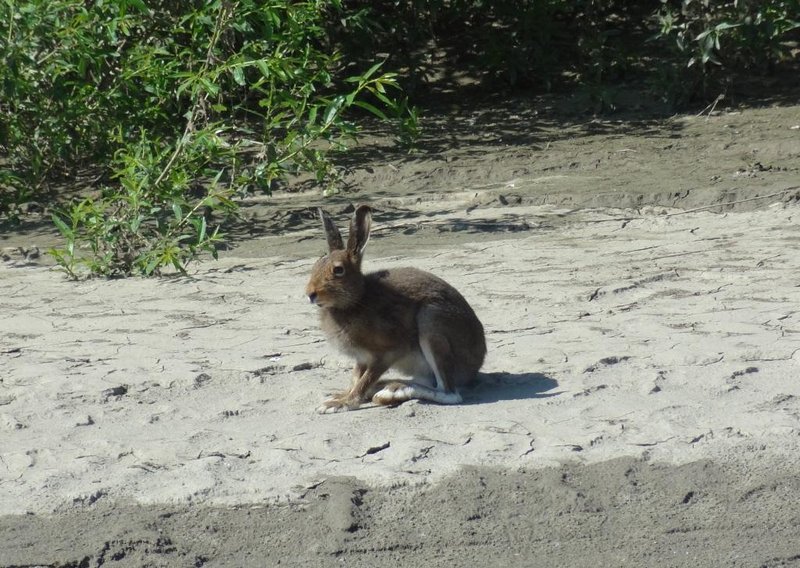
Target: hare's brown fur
<point x="403" y="318"/>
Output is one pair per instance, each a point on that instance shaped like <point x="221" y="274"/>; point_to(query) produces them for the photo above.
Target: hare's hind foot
<point x="338" y="404"/>
<point x="398" y="392"/>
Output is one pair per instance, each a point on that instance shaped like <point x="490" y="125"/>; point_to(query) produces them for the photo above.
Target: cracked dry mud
<point x="639" y="404"/>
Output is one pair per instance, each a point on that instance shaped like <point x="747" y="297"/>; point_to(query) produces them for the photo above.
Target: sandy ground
<point x="640" y="403"/>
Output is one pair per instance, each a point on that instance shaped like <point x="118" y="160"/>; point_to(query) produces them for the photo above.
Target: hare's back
<point x="418" y="287"/>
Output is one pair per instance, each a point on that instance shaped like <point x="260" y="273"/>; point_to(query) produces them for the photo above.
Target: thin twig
<point x="713" y="105"/>
<point x="682" y="253"/>
<point x="221" y="19"/>
<point x="777" y="193"/>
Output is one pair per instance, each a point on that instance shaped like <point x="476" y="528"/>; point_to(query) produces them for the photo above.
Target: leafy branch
<point x="102" y="84"/>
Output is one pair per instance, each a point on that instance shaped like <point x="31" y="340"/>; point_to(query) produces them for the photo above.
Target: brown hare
<point x="404" y="318"/>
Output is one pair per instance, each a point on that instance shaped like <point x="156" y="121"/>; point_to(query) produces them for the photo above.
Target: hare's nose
<point x="313" y="297"/>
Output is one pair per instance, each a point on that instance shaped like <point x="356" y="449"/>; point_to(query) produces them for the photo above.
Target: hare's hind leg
<point x="438" y="386"/>
<point x="397" y="392"/>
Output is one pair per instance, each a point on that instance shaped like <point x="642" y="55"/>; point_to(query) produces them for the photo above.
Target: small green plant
<point x="142" y="225"/>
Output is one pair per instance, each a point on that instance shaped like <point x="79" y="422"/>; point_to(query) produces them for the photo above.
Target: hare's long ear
<point x="331" y="232"/>
<point x="359" y="231"/>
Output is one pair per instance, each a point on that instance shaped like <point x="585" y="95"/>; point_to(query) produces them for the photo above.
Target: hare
<point x="404" y="318"/>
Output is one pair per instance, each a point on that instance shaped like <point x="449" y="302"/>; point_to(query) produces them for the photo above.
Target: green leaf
<point x="702" y="36"/>
<point x="139" y="5"/>
<point x="332" y="110"/>
<point x="176" y="208"/>
<point x="725" y="26"/>
<point x="238" y="76"/>
<point x="151" y="266"/>
<point x="62" y="226"/>
<point x="371" y="108"/>
<point x="210" y="88"/>
<point x="384" y="99"/>
<point x="202" y="236"/>
<point x="263" y="67"/>
<point x="371" y="71"/>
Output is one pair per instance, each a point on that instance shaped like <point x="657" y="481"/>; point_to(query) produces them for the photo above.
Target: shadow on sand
<point x="494" y="387"/>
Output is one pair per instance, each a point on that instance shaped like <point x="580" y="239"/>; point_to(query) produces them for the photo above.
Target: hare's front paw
<point x="338" y="404"/>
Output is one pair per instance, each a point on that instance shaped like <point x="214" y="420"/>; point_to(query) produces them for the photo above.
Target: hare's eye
<point x="338" y="270"/>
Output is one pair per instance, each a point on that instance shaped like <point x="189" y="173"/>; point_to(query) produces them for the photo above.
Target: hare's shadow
<point x="494" y="387"/>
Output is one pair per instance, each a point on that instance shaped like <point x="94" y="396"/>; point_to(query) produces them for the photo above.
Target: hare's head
<point x="336" y="280"/>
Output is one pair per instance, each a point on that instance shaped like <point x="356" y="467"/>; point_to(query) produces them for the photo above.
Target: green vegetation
<point x="176" y="108"/>
<point x="143" y="121"/>
<point x="710" y="42"/>
<point x="683" y="49"/>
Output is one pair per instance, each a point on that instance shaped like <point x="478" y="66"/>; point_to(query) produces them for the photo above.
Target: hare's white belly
<point x="415" y="365"/>
<point x="412" y="364"/>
